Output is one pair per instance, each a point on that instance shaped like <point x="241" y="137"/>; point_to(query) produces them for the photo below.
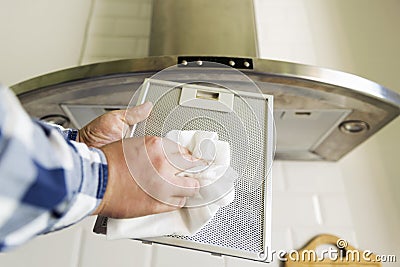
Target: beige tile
<point x="293" y="209"/>
<point x="313" y="177"/>
<point x="55" y="249"/>
<point x="117" y="8"/>
<point x="97" y="251"/>
<point x="237" y="262"/>
<point x="133" y="27"/>
<point x="40" y="37"/>
<point x="145" y="10"/>
<point x="112" y="47"/>
<point x="335" y="210"/>
<point x="102" y="26"/>
<point x="278" y="179"/>
<point x="281" y="239"/>
<point x="165" y="256"/>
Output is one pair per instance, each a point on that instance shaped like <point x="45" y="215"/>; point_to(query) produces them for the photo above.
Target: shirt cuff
<point x="88" y="191"/>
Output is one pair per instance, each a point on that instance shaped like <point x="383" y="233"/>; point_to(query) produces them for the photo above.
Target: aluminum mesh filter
<point x="239" y="225"/>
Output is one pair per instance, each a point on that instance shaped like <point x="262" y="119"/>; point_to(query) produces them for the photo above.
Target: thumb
<point x="137" y="114"/>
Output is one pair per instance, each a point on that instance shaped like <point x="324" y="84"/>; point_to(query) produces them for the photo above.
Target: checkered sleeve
<point x="68" y="134"/>
<point x="46" y="181"/>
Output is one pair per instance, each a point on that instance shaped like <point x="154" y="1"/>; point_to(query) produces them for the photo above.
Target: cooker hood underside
<point x="320" y="114"/>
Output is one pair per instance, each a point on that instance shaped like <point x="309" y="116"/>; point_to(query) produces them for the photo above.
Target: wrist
<point x="104" y="187"/>
<point x="78" y="139"/>
<point x="103" y="205"/>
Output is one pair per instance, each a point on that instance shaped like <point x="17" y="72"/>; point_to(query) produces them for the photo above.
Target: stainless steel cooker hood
<point x="320" y="114"/>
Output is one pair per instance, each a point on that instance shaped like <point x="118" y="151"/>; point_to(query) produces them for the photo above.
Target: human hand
<point x="153" y="163"/>
<point x="108" y="127"/>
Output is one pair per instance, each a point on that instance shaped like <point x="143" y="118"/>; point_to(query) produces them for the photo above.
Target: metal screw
<point x="246" y="64"/>
<point x="199" y="62"/>
<point x="184" y="62"/>
<point x="232" y="63"/>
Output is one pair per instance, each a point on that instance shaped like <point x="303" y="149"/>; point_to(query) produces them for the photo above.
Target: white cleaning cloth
<point x="216" y="183"/>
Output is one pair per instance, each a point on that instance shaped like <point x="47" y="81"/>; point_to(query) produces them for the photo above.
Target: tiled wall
<point x="117" y="29"/>
<point x="37" y="37"/>
<point x="309" y="198"/>
<point x="359" y="199"/>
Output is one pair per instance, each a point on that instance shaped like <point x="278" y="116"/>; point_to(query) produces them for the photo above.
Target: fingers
<point x="177" y="202"/>
<point x="180" y="157"/>
<point x="137" y="114"/>
<point x="174" y="203"/>
<point x="184" y="186"/>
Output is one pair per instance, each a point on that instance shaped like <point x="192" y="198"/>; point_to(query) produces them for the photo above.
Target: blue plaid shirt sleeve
<point x="46" y="181"/>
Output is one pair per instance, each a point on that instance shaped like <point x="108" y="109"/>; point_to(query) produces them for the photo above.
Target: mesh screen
<point x="240" y="224"/>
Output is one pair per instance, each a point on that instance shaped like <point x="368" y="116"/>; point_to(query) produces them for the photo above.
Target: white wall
<point x="38" y="37"/>
<point x="117" y="30"/>
<point x="359" y="37"/>
<point x="355" y="198"/>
